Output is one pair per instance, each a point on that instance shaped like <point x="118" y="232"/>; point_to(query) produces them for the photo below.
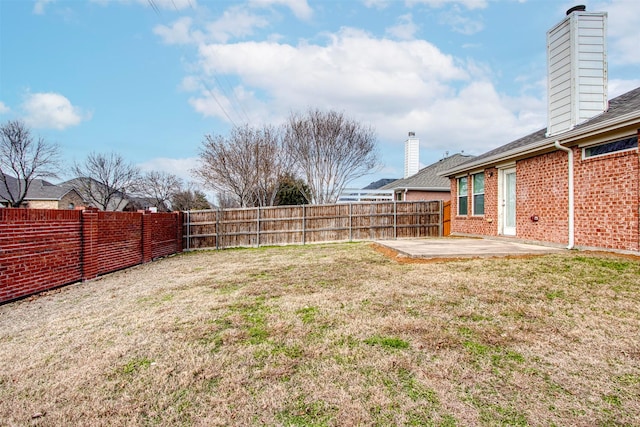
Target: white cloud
<point x="160" y="4"/>
<point x="300" y="8"/>
<point x="461" y="23"/>
<point x="469" y="4"/>
<point x="179" y="167"/>
<point x="3" y="108"/>
<point x="235" y="22"/>
<point x="618" y="87"/>
<point x="353" y="72"/>
<point x="38" y="7"/>
<point x="378" y="4"/>
<point x="171" y="4"/>
<point x="396" y="86"/>
<point x="623" y="34"/>
<point x="179" y="32"/>
<point x="405" y="29"/>
<point x="51" y="110"/>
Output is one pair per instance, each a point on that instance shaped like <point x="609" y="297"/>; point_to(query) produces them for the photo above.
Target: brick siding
<point x="44" y="249"/>
<point x="607" y="201"/>
<point x="484" y="225"/>
<point x="416" y="195"/>
<point x="542" y="189"/>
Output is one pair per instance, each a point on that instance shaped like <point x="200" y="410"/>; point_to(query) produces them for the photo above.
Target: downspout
<point x="569" y="151"/>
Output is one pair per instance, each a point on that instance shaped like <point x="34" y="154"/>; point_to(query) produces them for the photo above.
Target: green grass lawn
<point x="328" y="335"/>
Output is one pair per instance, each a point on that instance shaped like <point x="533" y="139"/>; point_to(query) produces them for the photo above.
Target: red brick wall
<point x="484" y="225"/>
<point x="607" y="199"/>
<point x="163" y="232"/>
<point x="43" y="249"/>
<point x="119" y="240"/>
<point x="542" y="189"/>
<point x="39" y="250"/>
<point x="414" y="195"/>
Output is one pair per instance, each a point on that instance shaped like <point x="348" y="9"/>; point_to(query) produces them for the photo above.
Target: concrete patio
<point x="464" y="247"/>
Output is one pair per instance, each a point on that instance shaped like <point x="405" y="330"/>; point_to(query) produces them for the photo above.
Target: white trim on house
<point x="584" y="131"/>
<point x="503" y="229"/>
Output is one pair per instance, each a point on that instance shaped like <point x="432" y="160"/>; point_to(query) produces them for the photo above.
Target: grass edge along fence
<point x="302" y="224"/>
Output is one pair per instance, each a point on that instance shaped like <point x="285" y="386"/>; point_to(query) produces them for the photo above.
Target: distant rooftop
<point x="428" y="178"/>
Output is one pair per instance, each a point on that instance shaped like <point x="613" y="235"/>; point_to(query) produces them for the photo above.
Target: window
<point x="611" y="147"/>
<point x="478" y="194"/>
<point x="462" y="196"/>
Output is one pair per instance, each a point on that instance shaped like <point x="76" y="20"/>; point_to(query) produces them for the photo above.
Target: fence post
<point x="147" y="241"/>
<point x="395" y="220"/>
<point x="218" y="214"/>
<point x="179" y="225"/>
<point x="371" y="219"/>
<point x="441" y="219"/>
<point x="350" y="222"/>
<point x="304" y="225"/>
<point x="258" y="228"/>
<point x="187" y="230"/>
<point x="90" y="248"/>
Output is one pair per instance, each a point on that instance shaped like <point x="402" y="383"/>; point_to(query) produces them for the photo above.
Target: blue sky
<point x="148" y="79"/>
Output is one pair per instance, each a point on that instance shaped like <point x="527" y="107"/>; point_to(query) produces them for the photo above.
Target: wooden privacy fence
<point x="283" y="225"/>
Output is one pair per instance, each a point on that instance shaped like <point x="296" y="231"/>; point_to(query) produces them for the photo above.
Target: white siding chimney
<point x="411" y="155"/>
<point x="577" y="69"/>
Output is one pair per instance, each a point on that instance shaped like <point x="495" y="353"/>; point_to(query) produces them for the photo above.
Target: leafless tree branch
<point x="105" y="180"/>
<point x="247" y="164"/>
<point x="24" y="158"/>
<point x="330" y="150"/>
<point x="160" y="187"/>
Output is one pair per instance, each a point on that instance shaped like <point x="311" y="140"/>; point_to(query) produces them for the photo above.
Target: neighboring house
<point x="117" y="200"/>
<point x="379" y="183"/>
<point x="575" y="183"/>
<point x="42" y="195"/>
<point x="136" y="203"/>
<point x="427" y="184"/>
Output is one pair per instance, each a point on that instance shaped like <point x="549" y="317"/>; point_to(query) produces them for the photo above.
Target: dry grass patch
<point x="328" y="335"/>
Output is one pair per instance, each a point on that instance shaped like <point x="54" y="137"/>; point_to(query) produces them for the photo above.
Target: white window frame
<point x="474" y="194"/>
<point x="466" y="195"/>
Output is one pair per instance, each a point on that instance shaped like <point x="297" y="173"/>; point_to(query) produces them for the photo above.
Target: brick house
<point x="575" y="183"/>
<point x="427" y="184"/>
<point x="41" y="195"/>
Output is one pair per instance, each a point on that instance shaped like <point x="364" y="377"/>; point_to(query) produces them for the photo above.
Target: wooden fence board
<point x="285" y="225"/>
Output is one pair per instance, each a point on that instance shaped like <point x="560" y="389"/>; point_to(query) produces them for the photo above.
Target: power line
<point x="232" y="98"/>
<point x="154" y="6"/>
<point x="233" y="93"/>
<point x="217" y="101"/>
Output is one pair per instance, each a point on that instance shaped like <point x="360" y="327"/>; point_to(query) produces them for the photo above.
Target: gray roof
<point x="620" y="107"/>
<point x="379" y="183"/>
<point x="428" y="178"/>
<point x="38" y="190"/>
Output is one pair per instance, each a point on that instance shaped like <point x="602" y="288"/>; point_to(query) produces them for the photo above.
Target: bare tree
<point x="226" y="201"/>
<point x="24" y="158"/>
<point x="106" y="180"/>
<point x="330" y="151"/>
<point x="247" y="164"/>
<point x="160" y="186"/>
<point x="189" y="199"/>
